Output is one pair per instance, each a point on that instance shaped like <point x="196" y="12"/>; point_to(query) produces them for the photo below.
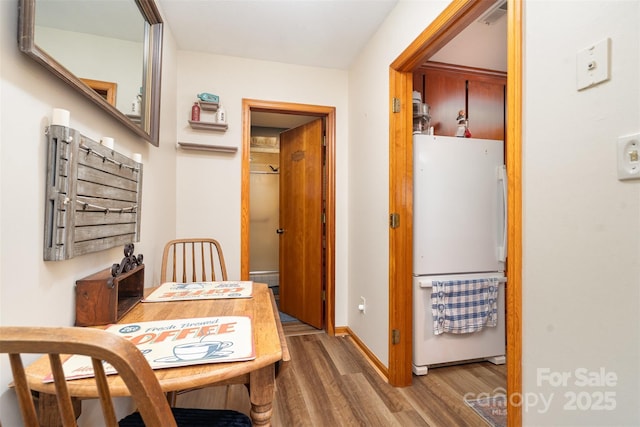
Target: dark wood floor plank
<point x="410" y="418"/>
<point x="341" y="357"/>
<point x="319" y="378"/>
<point x="390" y="396"/>
<point x="289" y="406"/>
<point x="298" y="328"/>
<point x="369" y="409"/>
<point x="440" y="407"/>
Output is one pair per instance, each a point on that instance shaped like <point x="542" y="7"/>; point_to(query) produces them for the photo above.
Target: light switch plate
<point x="592" y="64"/>
<point x="629" y="157"/>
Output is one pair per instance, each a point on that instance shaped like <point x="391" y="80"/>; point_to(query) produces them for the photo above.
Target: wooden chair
<point x="193" y="260"/>
<point x="153" y="410"/>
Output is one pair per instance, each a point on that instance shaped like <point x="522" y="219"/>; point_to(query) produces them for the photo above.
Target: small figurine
<point x="461" y="120"/>
<point x="463" y="126"/>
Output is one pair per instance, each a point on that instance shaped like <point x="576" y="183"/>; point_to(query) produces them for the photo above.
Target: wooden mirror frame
<point x="149" y="125"/>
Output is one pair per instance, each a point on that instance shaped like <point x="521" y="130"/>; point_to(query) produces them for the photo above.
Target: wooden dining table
<point x="259" y="374"/>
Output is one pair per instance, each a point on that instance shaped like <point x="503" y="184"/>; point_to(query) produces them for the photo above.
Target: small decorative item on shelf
<point x="463" y="125"/>
<point x="221" y="115"/>
<point x="208" y="97"/>
<point x="215" y="115"/>
<point x="209" y="101"/>
<point x="195" y="112"/>
<point x="129" y="262"/>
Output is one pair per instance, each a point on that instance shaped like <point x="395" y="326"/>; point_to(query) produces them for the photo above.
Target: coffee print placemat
<point x="174" y="291"/>
<point x="181" y="342"/>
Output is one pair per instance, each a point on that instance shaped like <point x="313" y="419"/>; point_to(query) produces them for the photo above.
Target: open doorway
<point x="267" y="114"/>
<point x="456" y="17"/>
<point x="264" y="196"/>
<point x="286" y="232"/>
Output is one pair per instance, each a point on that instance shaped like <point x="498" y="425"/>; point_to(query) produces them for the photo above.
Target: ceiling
<point x="281" y="121"/>
<point x="317" y="33"/>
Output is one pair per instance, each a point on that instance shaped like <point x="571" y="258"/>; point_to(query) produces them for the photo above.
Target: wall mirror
<point x="118" y="43"/>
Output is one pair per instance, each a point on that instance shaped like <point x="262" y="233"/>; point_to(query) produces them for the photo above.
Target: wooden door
<point x="301" y="172"/>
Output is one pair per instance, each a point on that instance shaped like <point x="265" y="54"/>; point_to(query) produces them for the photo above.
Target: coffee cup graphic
<point x="188" y="286"/>
<point x="199" y="350"/>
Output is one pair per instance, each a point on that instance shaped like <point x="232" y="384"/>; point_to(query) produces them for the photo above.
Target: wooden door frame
<point x="457" y="16"/>
<point x="329" y="114"/>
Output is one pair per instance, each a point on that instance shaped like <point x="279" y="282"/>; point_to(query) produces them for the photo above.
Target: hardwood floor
<point x="292" y="329"/>
<point x="330" y="383"/>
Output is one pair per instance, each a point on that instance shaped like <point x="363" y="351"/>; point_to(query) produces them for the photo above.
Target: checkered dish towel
<point x="464" y="306"/>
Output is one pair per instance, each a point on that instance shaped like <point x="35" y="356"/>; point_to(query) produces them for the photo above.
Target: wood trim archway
<point x="329" y="113"/>
<point x="457" y="16"/>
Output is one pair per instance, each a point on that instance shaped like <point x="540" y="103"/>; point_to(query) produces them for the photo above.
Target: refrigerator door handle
<point x="502" y="248"/>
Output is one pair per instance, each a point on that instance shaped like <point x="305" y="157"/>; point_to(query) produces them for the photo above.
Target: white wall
<point x="208" y="200"/>
<point x="32" y="291"/>
<point x="369" y="171"/>
<point x="581" y="263"/>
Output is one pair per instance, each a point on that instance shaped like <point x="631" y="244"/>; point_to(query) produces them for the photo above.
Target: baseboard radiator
<point x="271" y="278"/>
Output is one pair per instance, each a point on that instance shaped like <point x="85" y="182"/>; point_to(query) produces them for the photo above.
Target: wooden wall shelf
<point x="209" y="106"/>
<point x="102" y="299"/>
<point x="207" y="147"/>
<point x="208" y="125"/>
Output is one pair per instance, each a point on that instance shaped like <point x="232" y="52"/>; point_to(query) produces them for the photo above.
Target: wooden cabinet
<point x="451" y="88"/>
<point x="102" y="299"/>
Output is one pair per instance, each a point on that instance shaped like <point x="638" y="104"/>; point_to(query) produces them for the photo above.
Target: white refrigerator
<point x="459" y="232"/>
